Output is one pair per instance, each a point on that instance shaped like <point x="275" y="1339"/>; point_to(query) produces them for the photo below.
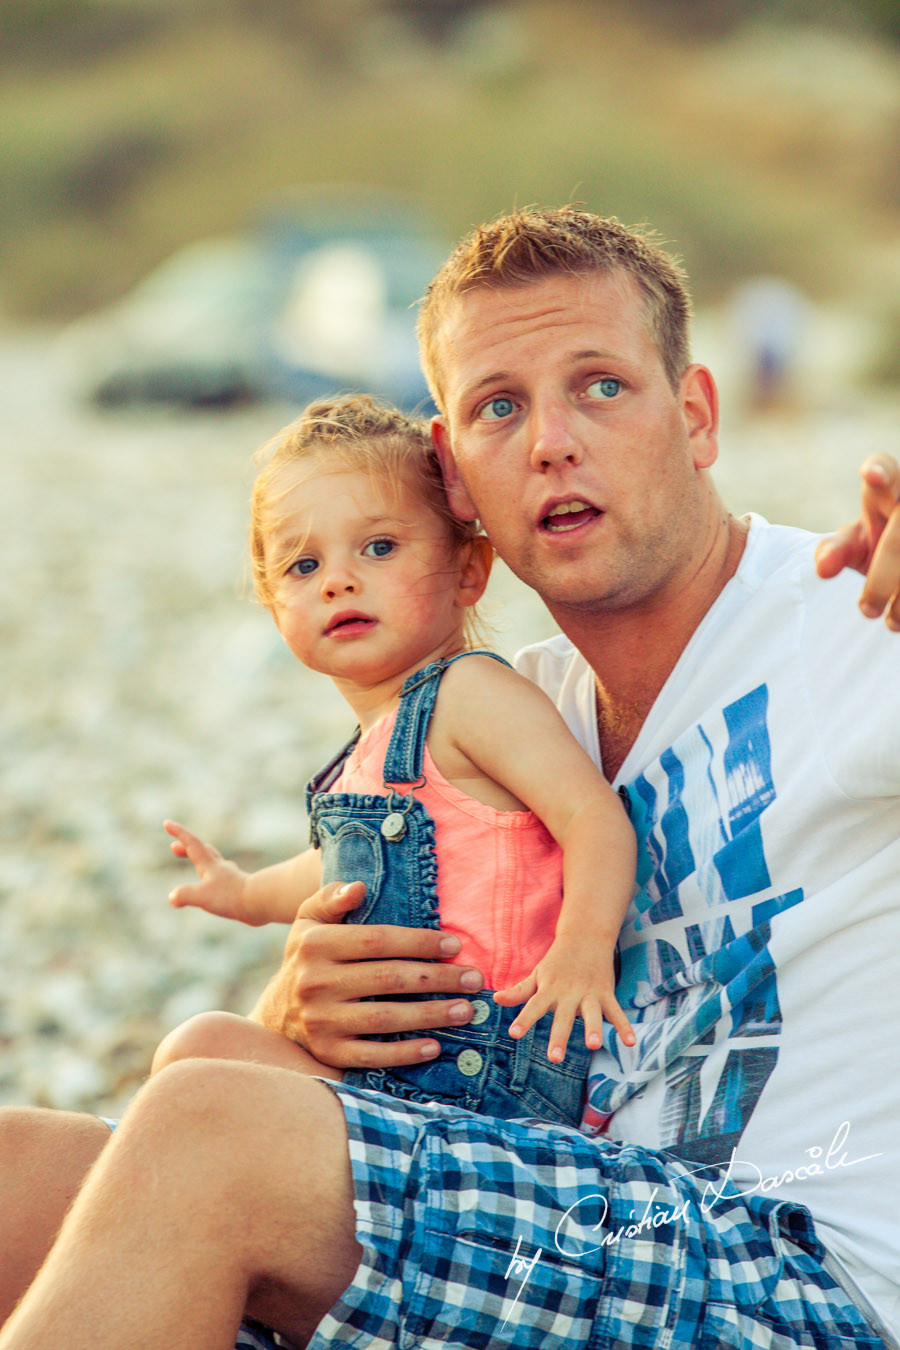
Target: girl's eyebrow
<point x="375" y="521"/>
<point x="289" y="543"/>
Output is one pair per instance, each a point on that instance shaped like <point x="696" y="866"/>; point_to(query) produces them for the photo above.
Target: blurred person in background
<point x="735" y="1179"/>
<point x="770" y="318"/>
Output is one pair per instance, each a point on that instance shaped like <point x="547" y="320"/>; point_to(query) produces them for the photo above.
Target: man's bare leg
<point x="225" y="1189"/>
<point x="44" y="1157"/>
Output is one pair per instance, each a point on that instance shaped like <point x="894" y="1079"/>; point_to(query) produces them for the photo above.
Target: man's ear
<point x="700" y="406"/>
<point x="458" y="498"/>
<point x="475" y="571"/>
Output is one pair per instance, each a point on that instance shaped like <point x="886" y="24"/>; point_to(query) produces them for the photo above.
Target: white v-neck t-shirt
<point x="761" y="954"/>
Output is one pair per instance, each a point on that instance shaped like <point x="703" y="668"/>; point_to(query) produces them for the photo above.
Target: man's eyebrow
<point x="504" y="376"/>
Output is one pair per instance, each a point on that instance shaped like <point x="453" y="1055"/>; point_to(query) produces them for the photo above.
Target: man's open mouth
<point x="568" y="516"/>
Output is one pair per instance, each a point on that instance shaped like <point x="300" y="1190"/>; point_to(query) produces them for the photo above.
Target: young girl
<point x="462" y="801"/>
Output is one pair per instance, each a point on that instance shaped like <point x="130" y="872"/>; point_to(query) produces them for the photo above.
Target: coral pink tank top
<point x="499" y="872"/>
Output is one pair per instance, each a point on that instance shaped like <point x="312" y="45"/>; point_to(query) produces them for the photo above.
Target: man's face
<point x="564" y="434"/>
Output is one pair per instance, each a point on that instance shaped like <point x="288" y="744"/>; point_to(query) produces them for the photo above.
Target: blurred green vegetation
<point x="130" y="127"/>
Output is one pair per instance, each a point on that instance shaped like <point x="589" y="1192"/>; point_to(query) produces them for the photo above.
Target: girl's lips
<point x="349" y="624"/>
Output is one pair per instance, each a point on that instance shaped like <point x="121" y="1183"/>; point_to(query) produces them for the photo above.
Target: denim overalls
<point x="388" y="842"/>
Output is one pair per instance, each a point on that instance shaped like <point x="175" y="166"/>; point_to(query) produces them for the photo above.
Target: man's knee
<point x="31" y="1136"/>
<point x="209" y="1035"/>
<point x="243" y="1110"/>
<point x="238" y="1139"/>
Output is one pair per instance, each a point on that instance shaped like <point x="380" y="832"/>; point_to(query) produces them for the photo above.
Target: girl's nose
<point x="338" y="581"/>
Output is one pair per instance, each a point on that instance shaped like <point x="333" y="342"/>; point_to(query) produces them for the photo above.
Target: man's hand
<point x="871" y="545"/>
<point x="330" y="967"/>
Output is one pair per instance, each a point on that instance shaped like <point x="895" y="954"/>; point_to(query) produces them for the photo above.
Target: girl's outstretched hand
<point x="222" y="886"/>
<point x="571" y="979"/>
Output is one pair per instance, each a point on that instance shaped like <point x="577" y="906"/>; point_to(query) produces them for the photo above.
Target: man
<point x="708" y="670"/>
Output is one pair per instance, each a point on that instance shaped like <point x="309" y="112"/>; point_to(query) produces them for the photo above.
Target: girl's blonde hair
<point x="352" y="433"/>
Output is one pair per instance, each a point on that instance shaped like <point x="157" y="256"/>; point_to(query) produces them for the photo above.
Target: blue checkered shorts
<point x="478" y="1232"/>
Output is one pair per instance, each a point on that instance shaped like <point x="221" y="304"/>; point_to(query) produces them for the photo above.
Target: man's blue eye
<point x="303" y="566"/>
<point x="497" y="409"/>
<point x="379" y="548"/>
<point x="605" y="388"/>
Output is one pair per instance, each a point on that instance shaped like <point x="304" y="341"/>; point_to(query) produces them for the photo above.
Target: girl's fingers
<point x="516" y="993"/>
<point x="560" y="1032"/>
<point x="592" y="1013"/>
<point x="532" y="1012"/>
<point x="616" y="1018"/>
<point x="188" y="845"/>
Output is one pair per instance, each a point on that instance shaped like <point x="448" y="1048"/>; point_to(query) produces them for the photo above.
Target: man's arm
<point x="871" y="545"/>
<point x="329" y="968"/>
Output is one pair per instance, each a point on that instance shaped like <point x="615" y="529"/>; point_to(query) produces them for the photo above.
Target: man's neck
<point x="634" y="651"/>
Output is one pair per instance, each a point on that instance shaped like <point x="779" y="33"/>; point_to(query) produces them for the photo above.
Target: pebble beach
<point x="141" y="681"/>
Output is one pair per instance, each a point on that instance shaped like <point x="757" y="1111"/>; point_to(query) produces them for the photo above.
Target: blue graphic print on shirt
<point x="697" y="978"/>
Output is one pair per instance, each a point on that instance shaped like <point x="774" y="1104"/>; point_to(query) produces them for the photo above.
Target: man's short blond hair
<point x="529" y="246"/>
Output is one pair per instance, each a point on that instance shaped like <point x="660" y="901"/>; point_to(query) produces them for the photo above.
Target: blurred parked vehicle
<point x="190" y="333"/>
<point x="356" y="261"/>
<point x="317" y="297"/>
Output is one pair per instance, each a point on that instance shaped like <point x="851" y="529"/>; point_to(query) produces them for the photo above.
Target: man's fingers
<point x="332" y="902"/>
<point x="422" y="980"/>
<point x="881" y="473"/>
<point x="882" y="585"/>
<point x="847" y="547"/>
<point x="375" y="1055"/>
<point x="387" y="943"/>
<point x="388" y="1018"/>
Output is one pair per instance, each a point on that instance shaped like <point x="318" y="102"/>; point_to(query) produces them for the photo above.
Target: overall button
<point x="469" y="1062"/>
<point x="394" y="826"/>
<point x="480" y="1012"/>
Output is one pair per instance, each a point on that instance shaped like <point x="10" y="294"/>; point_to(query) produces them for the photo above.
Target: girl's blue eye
<point x="605" y="388"/>
<point x="497" y="409"/>
<point x="379" y="548"/>
<point x="303" y="566"/>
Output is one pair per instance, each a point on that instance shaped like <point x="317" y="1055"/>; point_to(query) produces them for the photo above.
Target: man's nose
<point x="553" y="438"/>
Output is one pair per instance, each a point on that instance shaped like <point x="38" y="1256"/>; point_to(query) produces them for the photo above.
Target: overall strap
<point x="406" y="751"/>
<point x="322" y="781"/>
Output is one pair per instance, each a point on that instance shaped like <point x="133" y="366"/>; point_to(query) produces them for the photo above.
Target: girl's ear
<point x="478" y="559"/>
<point x="457" y="496"/>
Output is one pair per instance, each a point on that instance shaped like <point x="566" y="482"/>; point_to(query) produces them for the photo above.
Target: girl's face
<point x="365" y="587"/>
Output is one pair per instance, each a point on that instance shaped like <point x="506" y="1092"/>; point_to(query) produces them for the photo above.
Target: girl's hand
<point x="222" y="886"/>
<point x="571" y="979"/>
